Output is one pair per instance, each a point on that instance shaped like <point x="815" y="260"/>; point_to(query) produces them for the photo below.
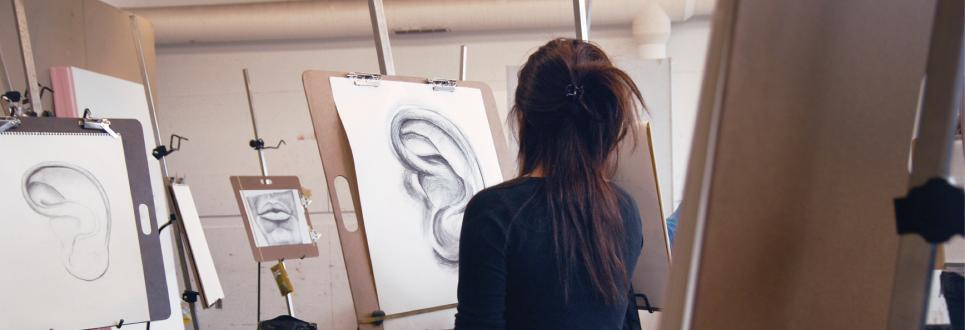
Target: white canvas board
<point x="206" y="273"/>
<point x="70" y="241"/>
<point x="111" y="97"/>
<point x="276" y="217"/>
<point x="420" y="155"/>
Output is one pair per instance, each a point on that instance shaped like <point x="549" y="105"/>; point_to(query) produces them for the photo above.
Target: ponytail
<point x="572" y="110"/>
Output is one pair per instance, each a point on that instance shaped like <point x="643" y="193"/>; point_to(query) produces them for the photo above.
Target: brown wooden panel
<point x="815" y="102"/>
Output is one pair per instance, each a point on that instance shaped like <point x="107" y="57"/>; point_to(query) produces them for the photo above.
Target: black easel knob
<point x="190" y="296"/>
<point x="379" y="317"/>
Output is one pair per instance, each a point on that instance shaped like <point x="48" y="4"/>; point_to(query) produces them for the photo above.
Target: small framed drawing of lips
<point x="275" y="218"/>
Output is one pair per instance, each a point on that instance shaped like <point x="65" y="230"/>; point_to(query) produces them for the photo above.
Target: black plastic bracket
<point x="935" y="210"/>
<point x="259" y="144"/>
<point x="646" y="302"/>
<point x="161" y="151"/>
<point x="189" y="296"/>
<point x="378" y="317"/>
<point x="171" y="221"/>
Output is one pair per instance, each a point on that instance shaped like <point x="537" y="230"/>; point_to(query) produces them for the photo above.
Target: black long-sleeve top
<point x="508" y="274"/>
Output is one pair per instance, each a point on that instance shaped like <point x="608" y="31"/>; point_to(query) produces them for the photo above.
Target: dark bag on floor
<point x="286" y="322"/>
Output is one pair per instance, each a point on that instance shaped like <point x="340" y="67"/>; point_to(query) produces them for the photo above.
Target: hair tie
<point x="574" y="91"/>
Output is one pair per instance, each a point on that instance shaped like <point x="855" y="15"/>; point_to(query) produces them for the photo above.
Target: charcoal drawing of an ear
<point x="440" y="169"/>
<point x="78" y="210"/>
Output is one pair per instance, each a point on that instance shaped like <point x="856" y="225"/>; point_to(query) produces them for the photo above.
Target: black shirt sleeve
<point x="482" y="267"/>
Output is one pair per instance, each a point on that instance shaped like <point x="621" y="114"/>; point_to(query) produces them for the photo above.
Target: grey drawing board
<point x="337" y="159"/>
<point x="148" y="262"/>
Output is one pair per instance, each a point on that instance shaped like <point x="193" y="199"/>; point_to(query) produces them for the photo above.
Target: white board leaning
<point x="70" y="237"/>
<point x="211" y="290"/>
<point x="419" y="155"/>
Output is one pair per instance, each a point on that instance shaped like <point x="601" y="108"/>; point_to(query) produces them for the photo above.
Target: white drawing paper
<point x="276" y="217"/>
<point x="211" y="289"/>
<point x="70" y="240"/>
<point x="420" y="155"/>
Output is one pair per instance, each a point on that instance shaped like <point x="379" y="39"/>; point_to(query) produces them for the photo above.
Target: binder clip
<point x="8" y="123"/>
<point x="365" y="79"/>
<point x="12" y="103"/>
<point x="442" y="85"/>
<point x="88" y="122"/>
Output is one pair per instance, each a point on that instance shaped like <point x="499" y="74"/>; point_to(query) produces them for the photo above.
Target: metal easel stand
<point x="259" y="145"/>
<point x="581" y="18"/>
<point x="933" y="208"/>
<point x="189" y="295"/>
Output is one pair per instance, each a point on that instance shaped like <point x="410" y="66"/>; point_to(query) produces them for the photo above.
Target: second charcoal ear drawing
<point x="440" y="170"/>
<point x="78" y="210"/>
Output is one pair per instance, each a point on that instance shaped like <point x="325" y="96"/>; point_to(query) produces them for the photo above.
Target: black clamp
<point x="190" y="296"/>
<point x="259" y="144"/>
<point x="378" y="317"/>
<point x="120" y="323"/>
<point x="935" y="210"/>
<point x="646" y="302"/>
<point x="161" y="151"/>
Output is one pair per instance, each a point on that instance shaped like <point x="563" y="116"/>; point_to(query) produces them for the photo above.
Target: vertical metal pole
<point x="264" y="172"/>
<point x="26" y="51"/>
<point x="289" y="302"/>
<point x="463" y="56"/>
<point x="6" y="73"/>
<point x="381" y="33"/>
<point x="580" y="20"/>
<point x="254" y="124"/>
<point x="258" y="299"/>
<point x="149" y="94"/>
<point x="940" y="102"/>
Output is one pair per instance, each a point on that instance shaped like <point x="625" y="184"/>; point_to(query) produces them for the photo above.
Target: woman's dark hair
<point x="572" y="110"/>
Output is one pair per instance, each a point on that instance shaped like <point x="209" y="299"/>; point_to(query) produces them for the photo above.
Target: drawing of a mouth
<point x="275" y="212"/>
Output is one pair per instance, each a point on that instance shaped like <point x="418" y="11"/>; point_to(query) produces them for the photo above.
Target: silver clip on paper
<point x="88" y="122"/>
<point x="365" y="79"/>
<point x="8" y="123"/>
<point x="442" y="85"/>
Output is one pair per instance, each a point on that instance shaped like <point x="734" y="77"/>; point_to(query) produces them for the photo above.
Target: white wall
<point x="202" y="97"/>
<point x="688" y="49"/>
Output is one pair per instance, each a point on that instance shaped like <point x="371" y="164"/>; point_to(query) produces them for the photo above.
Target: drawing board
<point x="197" y="243"/>
<point x="337" y="159"/>
<point x="420" y="155"/>
<point x="801" y="145"/>
<point x="275" y="218"/>
<point x="81" y="230"/>
<point x="637" y="174"/>
<point x="113" y="97"/>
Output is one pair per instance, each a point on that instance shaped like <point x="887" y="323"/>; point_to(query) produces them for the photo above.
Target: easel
<point x="791" y="240"/>
<point x="259" y="145"/>
<point x="189" y="295"/>
<point x="932" y="151"/>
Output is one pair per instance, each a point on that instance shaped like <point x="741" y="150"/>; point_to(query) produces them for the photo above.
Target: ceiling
<point x="176" y="3"/>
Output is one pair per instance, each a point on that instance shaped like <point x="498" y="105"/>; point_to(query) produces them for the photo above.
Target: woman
<point x="556" y="247"/>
